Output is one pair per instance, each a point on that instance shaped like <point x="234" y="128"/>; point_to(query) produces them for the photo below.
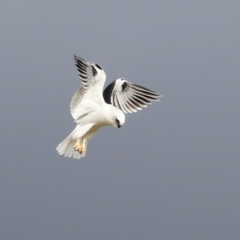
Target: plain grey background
<point x="172" y="172"/>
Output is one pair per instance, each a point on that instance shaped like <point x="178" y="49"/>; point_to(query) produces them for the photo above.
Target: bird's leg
<point x="80" y="148"/>
<point x="83" y="146"/>
<point x="77" y="146"/>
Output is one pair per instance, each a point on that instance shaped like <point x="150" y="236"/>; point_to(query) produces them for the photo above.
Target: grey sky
<point x="172" y="171"/>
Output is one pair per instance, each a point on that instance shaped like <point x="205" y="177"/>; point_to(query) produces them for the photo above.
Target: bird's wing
<point x="75" y="103"/>
<point x="89" y="73"/>
<point x="93" y="78"/>
<point x="129" y="97"/>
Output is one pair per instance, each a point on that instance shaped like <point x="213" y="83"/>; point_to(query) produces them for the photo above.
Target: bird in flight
<point x="93" y="108"/>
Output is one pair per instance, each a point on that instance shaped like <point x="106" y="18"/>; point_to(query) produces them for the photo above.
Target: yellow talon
<point x="80" y="148"/>
<point x="77" y="146"/>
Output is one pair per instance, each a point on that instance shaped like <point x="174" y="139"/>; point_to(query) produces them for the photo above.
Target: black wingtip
<point x="76" y="58"/>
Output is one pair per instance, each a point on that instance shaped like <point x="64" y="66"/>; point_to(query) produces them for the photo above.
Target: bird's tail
<point x="67" y="146"/>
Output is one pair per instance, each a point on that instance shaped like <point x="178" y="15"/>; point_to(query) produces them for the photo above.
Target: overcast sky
<point x="172" y="172"/>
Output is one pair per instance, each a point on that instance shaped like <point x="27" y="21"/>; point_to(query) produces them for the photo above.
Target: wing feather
<point x="129" y="97"/>
<point x="85" y="72"/>
<point x="93" y="78"/>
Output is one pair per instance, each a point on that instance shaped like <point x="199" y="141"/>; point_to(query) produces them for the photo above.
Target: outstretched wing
<point x="89" y="72"/>
<point x="93" y="78"/>
<point x="129" y="97"/>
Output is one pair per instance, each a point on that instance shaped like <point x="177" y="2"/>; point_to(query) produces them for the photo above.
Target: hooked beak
<point x="118" y="123"/>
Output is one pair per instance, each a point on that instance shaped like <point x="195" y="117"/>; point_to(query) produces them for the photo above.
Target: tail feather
<point x="66" y="147"/>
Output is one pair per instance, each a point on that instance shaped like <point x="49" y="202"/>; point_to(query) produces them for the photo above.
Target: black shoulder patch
<point x="124" y="86"/>
<point x="94" y="71"/>
<point x="98" y="66"/>
<point x="107" y="93"/>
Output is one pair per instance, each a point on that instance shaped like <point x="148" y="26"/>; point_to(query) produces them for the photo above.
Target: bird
<point x="93" y="108"/>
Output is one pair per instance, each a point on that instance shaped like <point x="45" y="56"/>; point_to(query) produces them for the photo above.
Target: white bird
<point x="92" y="108"/>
